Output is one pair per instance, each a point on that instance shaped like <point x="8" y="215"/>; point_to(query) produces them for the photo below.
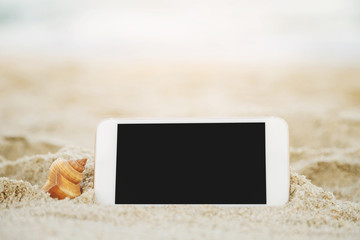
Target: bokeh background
<point x="217" y="31"/>
<point x="66" y="65"/>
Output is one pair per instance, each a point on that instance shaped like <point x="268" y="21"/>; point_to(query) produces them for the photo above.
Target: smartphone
<point x="242" y="161"/>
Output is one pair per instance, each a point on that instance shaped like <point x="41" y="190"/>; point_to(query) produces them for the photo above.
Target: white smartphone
<point x="242" y="161"/>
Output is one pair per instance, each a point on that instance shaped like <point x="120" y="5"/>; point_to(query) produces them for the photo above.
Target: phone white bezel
<point x="277" y="157"/>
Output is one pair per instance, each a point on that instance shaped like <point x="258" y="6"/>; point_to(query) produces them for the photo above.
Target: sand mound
<point x="25" y="175"/>
<point x="34" y="168"/>
<point x="13" y="192"/>
<point x="336" y="170"/>
<point x="311" y="212"/>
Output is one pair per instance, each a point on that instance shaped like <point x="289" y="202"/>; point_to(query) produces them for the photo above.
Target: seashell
<point x="64" y="178"/>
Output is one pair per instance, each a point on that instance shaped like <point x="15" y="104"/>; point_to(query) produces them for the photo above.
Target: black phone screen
<point x="191" y="163"/>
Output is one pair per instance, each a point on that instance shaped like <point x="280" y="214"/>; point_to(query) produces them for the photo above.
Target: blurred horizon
<point x="261" y="32"/>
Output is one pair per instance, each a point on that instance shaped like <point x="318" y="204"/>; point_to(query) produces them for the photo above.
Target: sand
<point x="49" y="109"/>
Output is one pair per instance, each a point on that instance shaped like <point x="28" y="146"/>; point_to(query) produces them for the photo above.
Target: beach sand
<point x="50" y="109"/>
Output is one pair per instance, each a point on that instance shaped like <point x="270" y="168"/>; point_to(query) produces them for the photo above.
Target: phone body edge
<point x="277" y="168"/>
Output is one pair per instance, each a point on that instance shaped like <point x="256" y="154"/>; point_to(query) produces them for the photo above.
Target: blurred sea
<point x="278" y="31"/>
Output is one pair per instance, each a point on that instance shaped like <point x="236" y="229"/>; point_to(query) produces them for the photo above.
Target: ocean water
<point x="227" y="31"/>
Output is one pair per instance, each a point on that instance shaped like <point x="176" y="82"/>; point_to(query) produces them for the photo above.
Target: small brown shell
<point x="64" y="178"/>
